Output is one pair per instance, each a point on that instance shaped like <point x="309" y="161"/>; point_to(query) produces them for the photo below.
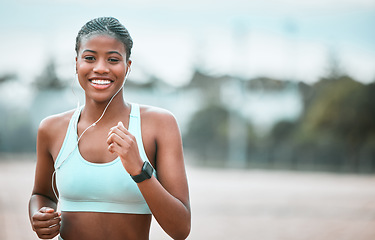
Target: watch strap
<point x="146" y="173"/>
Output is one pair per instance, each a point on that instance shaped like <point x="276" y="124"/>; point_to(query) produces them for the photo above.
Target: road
<point x="234" y="204"/>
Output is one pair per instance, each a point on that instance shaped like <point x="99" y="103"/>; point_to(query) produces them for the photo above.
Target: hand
<point x="124" y="144"/>
<point x="46" y="223"/>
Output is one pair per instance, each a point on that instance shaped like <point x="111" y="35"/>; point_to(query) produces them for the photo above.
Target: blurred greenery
<point x="335" y="130"/>
<point x="338" y="124"/>
<point x="208" y="132"/>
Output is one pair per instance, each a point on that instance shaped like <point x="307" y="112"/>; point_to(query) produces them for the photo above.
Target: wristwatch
<point x="146" y="173"/>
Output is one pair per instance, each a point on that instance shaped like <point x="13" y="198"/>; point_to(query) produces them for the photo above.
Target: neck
<point x="94" y="110"/>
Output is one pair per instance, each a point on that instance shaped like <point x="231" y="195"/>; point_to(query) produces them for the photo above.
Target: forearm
<point x="38" y="201"/>
<point x="170" y="212"/>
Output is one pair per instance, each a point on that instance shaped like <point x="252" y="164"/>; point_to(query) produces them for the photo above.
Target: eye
<point x="113" y="60"/>
<point x="89" y="58"/>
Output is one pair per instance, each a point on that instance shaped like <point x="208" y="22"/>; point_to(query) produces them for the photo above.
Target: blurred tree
<point x="282" y="130"/>
<point x="16" y="135"/>
<point x="4" y="111"/>
<point x="268" y="84"/>
<point x="340" y="117"/>
<point x="208" y="133"/>
<point x="48" y="78"/>
<point x="209" y="85"/>
<point x="7" y="77"/>
<point x="329" y="104"/>
<point x="279" y="145"/>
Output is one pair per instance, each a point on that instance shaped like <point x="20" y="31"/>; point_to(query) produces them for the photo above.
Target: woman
<point x="112" y="162"/>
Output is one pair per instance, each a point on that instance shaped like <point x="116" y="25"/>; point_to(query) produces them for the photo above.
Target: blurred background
<point x="279" y="92"/>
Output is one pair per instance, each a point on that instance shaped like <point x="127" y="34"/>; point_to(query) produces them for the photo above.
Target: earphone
<point x="92" y="125"/>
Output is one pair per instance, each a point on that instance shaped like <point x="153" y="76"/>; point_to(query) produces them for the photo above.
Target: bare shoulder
<point x="52" y="125"/>
<point x="159" y="123"/>
<point x="157" y="115"/>
<point x="156" y="112"/>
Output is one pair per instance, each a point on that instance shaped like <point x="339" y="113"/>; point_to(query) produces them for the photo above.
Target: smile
<point x="100" y="82"/>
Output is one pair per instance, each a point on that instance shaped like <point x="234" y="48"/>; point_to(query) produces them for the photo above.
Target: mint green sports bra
<point x="98" y="187"/>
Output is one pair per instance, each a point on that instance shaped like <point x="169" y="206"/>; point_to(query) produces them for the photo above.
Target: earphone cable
<point x="79" y="138"/>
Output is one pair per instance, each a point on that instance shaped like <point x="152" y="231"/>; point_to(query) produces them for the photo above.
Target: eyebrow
<point x="110" y="52"/>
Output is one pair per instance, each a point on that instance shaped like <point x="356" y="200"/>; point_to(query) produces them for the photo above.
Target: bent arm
<point x="43" y="203"/>
<point x="168" y="196"/>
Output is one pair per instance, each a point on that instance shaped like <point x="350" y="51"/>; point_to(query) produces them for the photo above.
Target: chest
<point x="93" y="146"/>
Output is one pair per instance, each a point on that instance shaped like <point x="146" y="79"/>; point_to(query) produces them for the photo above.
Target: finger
<point x="110" y="147"/>
<point x="123" y="132"/>
<point x="47" y="223"/>
<point x="46" y="210"/>
<point x="121" y="126"/>
<point x="48" y="236"/>
<point x="118" y="131"/>
<point x="40" y="216"/>
<point x="115" y="148"/>
<point x="115" y="138"/>
<point x="49" y="211"/>
<point x="49" y="233"/>
<point x="55" y="229"/>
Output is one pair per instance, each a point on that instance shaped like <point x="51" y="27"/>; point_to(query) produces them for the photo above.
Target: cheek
<point x="81" y="81"/>
<point x="82" y="69"/>
<point x="120" y="71"/>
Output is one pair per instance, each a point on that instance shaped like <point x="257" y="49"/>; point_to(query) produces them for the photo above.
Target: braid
<point x="106" y="25"/>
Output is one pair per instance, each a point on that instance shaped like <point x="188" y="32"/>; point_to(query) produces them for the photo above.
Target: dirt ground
<point x="234" y="204"/>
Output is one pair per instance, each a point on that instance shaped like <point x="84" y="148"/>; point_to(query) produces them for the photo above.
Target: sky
<point x="285" y="39"/>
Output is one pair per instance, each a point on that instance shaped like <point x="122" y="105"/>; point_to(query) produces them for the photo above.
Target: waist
<point x="82" y="225"/>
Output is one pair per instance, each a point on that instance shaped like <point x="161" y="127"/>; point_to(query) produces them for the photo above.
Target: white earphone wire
<point x="80" y="136"/>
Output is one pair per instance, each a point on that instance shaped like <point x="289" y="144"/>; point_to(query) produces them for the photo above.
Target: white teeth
<point x="100" y="82"/>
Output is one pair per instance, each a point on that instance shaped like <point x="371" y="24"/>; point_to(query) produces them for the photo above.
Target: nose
<point x="101" y="67"/>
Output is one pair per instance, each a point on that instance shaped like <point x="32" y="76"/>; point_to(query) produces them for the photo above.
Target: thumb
<point x="46" y="210"/>
<point x="120" y="124"/>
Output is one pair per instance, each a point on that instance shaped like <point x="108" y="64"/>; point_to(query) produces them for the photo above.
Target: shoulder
<point x="156" y="113"/>
<point x="157" y="116"/>
<point x="52" y="125"/>
<point x="158" y="120"/>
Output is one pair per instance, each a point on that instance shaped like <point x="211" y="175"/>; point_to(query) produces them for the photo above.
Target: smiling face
<point x="101" y="66"/>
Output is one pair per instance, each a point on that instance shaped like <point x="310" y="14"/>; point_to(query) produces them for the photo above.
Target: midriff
<point x="103" y="226"/>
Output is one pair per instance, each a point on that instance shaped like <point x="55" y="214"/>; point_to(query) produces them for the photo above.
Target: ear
<point x="76" y="64"/>
<point x="128" y="69"/>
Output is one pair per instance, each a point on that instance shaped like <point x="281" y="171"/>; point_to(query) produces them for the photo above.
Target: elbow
<point x="181" y="232"/>
<point x="185" y="232"/>
<point x="181" y="235"/>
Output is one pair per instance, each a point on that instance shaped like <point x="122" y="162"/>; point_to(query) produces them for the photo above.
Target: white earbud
<point x="127" y="74"/>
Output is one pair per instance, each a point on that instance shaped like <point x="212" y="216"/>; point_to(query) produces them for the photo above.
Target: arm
<point x="167" y="196"/>
<point x="44" y="219"/>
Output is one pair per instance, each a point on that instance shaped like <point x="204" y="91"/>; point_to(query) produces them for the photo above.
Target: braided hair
<point x="109" y="26"/>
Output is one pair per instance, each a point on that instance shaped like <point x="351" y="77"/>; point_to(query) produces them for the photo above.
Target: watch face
<point x="146" y="173"/>
<point x="148" y="169"/>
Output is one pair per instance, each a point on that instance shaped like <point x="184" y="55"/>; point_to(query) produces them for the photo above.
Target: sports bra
<point x="84" y="186"/>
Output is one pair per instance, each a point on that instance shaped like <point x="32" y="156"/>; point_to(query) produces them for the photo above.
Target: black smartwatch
<point x="146" y="173"/>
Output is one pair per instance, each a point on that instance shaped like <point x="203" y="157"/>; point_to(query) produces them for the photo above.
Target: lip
<point x="100" y="77"/>
<point x="100" y="83"/>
